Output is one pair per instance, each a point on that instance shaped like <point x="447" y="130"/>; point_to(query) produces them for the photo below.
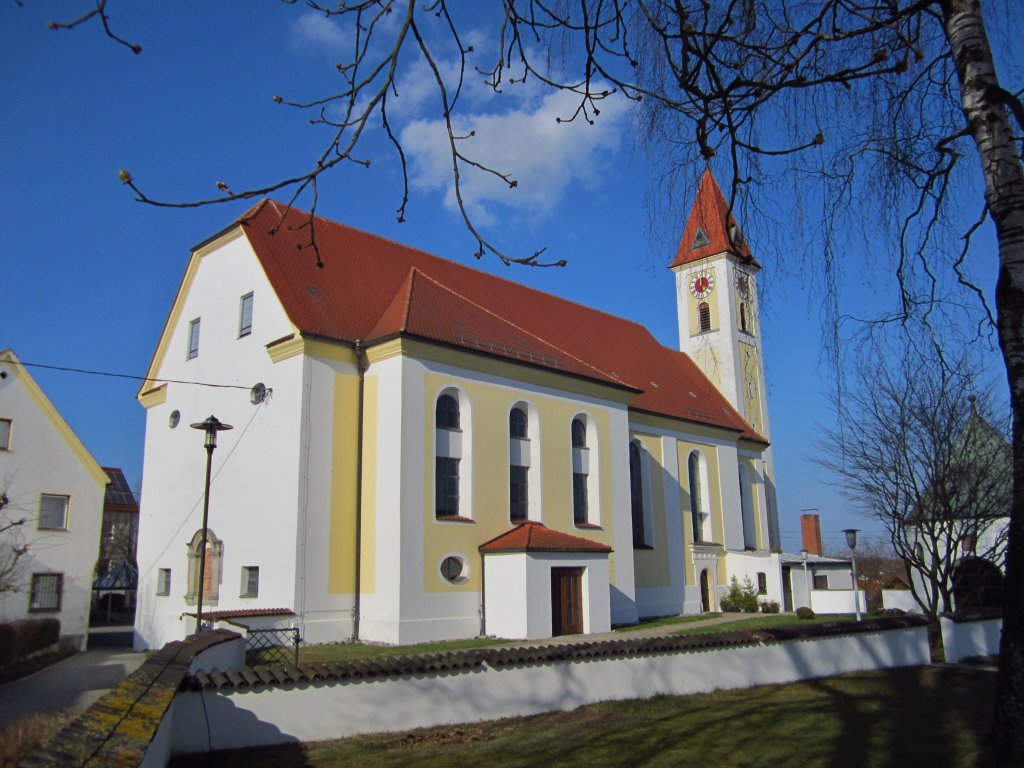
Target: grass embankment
<point x="768" y="621"/>
<point x="920" y="716"/>
<point x="352" y="651"/>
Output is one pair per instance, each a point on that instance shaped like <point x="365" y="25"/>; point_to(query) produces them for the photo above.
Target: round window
<point x="174" y="419"/>
<point x="451" y="568"/>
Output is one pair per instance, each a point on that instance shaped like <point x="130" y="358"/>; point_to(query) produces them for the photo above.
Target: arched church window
<point x="704" y="316"/>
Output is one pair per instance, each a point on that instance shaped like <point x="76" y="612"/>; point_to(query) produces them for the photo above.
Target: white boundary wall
<point x="837" y="601"/>
<point x="243" y="717"/>
<point x="900" y="598"/>
<point x="964" y="639"/>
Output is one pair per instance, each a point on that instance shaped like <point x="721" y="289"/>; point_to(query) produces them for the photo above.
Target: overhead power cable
<point x="126" y="376"/>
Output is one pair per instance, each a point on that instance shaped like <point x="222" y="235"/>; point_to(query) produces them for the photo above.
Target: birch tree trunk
<point x="985" y="107"/>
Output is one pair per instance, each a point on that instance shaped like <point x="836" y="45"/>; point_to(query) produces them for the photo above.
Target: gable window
<point x="5" y="434"/>
<point x="46" y="591"/>
<point x="163" y="581"/>
<point x="245" y="315"/>
<point x="700" y="240"/>
<point x="704" y="316"/>
<point x="53" y="512"/>
<point x="193" y="339"/>
<point x="250" y="581"/>
<point x="636" y="496"/>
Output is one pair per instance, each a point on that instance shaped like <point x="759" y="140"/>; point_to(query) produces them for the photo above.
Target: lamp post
<point x="807" y="584"/>
<point x="211" y="427"/>
<point x="851" y="542"/>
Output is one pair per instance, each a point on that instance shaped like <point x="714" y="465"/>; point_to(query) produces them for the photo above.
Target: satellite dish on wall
<point x="258" y="394"/>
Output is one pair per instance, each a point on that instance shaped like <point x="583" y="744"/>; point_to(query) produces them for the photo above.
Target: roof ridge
<point x="519" y="328"/>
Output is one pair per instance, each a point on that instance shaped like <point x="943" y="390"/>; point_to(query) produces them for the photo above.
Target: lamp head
<point x="211" y="426"/>
<point x="851" y="537"/>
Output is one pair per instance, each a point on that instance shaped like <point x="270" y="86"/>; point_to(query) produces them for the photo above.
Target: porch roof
<point x="531" y="536"/>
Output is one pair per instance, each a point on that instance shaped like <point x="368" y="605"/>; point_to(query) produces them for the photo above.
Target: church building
<point x="424" y="451"/>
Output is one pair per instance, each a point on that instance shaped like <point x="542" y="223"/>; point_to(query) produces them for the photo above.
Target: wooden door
<point x="705" y="592"/>
<point x="566" y="601"/>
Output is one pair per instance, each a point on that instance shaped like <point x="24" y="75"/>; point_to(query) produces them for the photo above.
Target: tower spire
<point x="711" y="228"/>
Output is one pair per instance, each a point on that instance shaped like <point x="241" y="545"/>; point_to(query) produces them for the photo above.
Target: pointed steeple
<point x="711" y="229"/>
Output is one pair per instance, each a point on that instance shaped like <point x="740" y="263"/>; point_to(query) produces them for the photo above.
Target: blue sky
<point x="90" y="274"/>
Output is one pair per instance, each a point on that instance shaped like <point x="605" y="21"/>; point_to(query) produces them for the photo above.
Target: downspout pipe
<point x="361" y="366"/>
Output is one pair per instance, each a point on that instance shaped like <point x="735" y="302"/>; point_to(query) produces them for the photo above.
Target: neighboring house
<point x="813" y="580"/>
<point x="116" y="573"/>
<point x="959" y="536"/>
<point x="53" y="483"/>
<point x="425" y="451"/>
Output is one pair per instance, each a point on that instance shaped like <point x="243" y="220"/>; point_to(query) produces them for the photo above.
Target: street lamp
<point x="851" y="542"/>
<point x="211" y="427"/>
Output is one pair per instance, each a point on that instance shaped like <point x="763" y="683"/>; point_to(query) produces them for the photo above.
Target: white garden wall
<point x="243" y="716"/>
<point x="965" y="639"/>
<point x="837" y="601"/>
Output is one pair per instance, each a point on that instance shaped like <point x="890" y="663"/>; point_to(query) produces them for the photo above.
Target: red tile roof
<point x="710" y="215"/>
<point x="535" y="537"/>
<point x="244" y="613"/>
<point x="373" y="289"/>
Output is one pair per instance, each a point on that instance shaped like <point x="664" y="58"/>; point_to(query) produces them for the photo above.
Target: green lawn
<point x="665" y="621"/>
<point x="350" y="651"/>
<point x="921" y="716"/>
<point x="768" y="621"/>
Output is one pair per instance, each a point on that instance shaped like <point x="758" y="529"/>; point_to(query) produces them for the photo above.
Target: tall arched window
<point x="580" y="472"/>
<point x="448" y="455"/>
<point x="704" y="316"/>
<point x="519" y="465"/>
<point x="743" y="317"/>
<point x="747" y="510"/>
<point x="698" y="512"/>
<point x="636" y="495"/>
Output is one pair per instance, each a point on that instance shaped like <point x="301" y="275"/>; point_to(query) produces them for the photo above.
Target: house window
<point x="250" y="581"/>
<point x="46" y="591"/>
<point x="5" y="434"/>
<point x="636" y="495"/>
<point x="193" y="339"/>
<point x="245" y="315"/>
<point x="820" y="582"/>
<point x="762" y="583"/>
<point x="704" y="316"/>
<point x="446" y="483"/>
<point x="580" y="473"/>
<point x="163" y="581"/>
<point x="53" y="512"/>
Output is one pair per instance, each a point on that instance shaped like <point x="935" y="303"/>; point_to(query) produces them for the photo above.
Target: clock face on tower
<point x="702" y="284"/>
<point x="743" y="285"/>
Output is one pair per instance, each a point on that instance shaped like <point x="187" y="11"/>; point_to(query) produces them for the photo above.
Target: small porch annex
<point x="541" y="583"/>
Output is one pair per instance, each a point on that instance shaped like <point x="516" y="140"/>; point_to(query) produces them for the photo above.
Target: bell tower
<point x="717" y="303"/>
<point x="718" y="313"/>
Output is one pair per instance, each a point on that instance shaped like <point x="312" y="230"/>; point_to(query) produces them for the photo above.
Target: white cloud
<point x="315" y="29"/>
<point x="528" y="143"/>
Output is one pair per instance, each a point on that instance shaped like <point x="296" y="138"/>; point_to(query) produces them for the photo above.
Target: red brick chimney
<point x="810" y="530"/>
